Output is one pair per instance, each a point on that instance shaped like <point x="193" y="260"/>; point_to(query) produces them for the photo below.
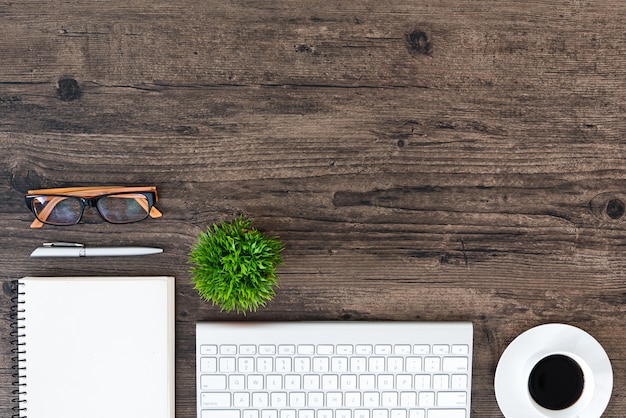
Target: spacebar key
<point x="214" y="413"/>
<point x="444" y="413"/>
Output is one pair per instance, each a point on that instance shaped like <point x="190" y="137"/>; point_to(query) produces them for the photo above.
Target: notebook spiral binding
<point x="17" y="350"/>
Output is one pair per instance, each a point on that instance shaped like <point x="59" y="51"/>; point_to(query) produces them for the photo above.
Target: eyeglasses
<point x="114" y="204"/>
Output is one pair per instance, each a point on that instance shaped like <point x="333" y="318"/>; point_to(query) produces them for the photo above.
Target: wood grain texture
<point x="437" y="160"/>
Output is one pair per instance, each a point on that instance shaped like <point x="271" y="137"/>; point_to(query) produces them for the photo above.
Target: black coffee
<point x="556" y="382"/>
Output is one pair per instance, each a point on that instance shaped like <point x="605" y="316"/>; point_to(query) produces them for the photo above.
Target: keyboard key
<point x="245" y="364"/>
<point x="315" y="399"/>
<point x="446" y="399"/>
<point x="358" y="364"/>
<point x="321" y="364"/>
<point x="441" y="382"/>
<point x="288" y="413"/>
<point x="426" y="399"/>
<point x="247" y="350"/>
<point x="220" y="414"/>
<point x="293" y="382"/>
<point x="446" y="413"/>
<point x="306" y="413"/>
<point x="302" y="364"/>
<point x="380" y="413"/>
<point x="460" y="349"/>
<point x="385" y="381"/>
<point x="395" y="364"/>
<point x="417" y="413"/>
<point x="376" y="364"/>
<point x="361" y="413"/>
<point x="382" y="349"/>
<point x="236" y="382"/>
<point x="274" y="382"/>
<point x="413" y="364"/>
<point x="432" y="364"/>
<point x="352" y="399"/>
<point x="307" y="349"/>
<point x="367" y="382"/>
<point x="325" y="350"/>
<point x="208" y="365"/>
<point x="389" y="399"/>
<point x="339" y="364"/>
<point x="255" y="382"/>
<point x="311" y="382"/>
<point x="269" y="414"/>
<point x="297" y="399"/>
<point x="459" y="381"/>
<point x="215" y="400"/>
<point x="421" y="349"/>
<point x="241" y="399"/>
<point x="334" y="399"/>
<point x="227" y="365"/>
<point x="408" y="399"/>
<point x="264" y="364"/>
<point x="398" y="413"/>
<point x="250" y="414"/>
<point x="330" y="382"/>
<point x="228" y="349"/>
<point x="364" y="349"/>
<point x="348" y="382"/>
<point x="403" y="349"/>
<point x="213" y="382"/>
<point x="267" y="350"/>
<point x="455" y="364"/>
<point x="371" y="399"/>
<point x="260" y="400"/>
<point x="404" y="381"/>
<point x="208" y="350"/>
<point x="422" y="382"/>
<point x="286" y="349"/>
<point x="278" y="399"/>
<point x="441" y="349"/>
<point x="344" y="349"/>
<point x="283" y="364"/>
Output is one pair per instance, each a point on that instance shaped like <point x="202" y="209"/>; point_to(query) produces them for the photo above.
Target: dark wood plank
<point x="421" y="160"/>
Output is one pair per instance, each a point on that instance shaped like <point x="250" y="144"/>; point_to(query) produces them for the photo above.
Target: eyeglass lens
<point x="67" y="210"/>
<point x="57" y="210"/>
<point x="124" y="208"/>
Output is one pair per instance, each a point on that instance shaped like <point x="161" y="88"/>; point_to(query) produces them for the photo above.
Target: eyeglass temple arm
<point x="47" y="210"/>
<point x="154" y="212"/>
<point x="37" y="224"/>
<point x="91" y="191"/>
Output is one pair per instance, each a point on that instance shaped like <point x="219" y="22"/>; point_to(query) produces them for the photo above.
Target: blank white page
<point x="98" y="347"/>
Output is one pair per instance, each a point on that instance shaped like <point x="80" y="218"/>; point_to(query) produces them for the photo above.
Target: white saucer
<point x="521" y="356"/>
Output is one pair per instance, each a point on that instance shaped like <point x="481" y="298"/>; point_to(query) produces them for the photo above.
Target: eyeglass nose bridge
<point x="89" y="202"/>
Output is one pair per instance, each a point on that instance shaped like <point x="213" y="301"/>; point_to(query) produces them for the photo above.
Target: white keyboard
<point x="333" y="369"/>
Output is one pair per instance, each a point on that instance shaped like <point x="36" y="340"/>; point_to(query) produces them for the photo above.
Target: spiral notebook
<point x="97" y="347"/>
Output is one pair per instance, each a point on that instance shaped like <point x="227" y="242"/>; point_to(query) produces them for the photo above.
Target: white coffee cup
<point x="554" y="371"/>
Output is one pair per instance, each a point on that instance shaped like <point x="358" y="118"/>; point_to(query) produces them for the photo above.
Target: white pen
<point x="69" y="249"/>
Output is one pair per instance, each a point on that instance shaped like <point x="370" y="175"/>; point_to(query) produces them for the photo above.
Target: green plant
<point x="234" y="265"/>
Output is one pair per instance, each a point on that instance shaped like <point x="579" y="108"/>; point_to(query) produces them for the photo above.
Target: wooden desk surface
<point x="438" y="160"/>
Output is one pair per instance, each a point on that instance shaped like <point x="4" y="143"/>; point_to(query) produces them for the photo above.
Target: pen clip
<point x="62" y="244"/>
